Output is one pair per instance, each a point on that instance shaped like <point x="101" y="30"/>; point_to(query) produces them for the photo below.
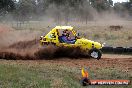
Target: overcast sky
<point x="119" y="1"/>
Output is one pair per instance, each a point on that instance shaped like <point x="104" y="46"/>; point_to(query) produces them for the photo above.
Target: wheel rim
<point x="94" y="54"/>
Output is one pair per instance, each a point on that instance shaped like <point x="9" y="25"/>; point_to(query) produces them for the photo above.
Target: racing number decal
<point x="53" y="35"/>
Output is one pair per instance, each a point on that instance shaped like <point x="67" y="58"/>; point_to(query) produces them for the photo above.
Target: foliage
<point x="101" y="5"/>
<point x="31" y="9"/>
<point x="6" y="6"/>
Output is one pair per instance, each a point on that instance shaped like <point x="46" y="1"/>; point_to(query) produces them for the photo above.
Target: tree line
<point x="33" y="9"/>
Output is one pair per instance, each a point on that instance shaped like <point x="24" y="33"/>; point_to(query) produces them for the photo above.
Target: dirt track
<point x="29" y="51"/>
<point x="22" y="51"/>
<point x="124" y="64"/>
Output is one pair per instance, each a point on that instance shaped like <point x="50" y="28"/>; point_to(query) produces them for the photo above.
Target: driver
<point x="66" y="37"/>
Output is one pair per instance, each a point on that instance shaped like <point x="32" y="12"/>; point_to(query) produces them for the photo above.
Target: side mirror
<point x="78" y="34"/>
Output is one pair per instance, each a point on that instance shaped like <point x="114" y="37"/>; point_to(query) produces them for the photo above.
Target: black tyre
<point x="119" y="50"/>
<point x="95" y="53"/>
<point x="107" y="49"/>
<point x="130" y="49"/>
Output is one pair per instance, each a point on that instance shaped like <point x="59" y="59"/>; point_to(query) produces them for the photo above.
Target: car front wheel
<point x="95" y="53"/>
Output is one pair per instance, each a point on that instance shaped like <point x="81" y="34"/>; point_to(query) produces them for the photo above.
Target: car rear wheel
<point x="95" y="53"/>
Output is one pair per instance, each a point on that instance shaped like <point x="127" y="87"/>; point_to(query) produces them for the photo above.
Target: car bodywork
<point x="53" y="38"/>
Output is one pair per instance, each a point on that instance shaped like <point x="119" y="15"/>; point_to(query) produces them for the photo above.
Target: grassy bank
<point x="28" y="74"/>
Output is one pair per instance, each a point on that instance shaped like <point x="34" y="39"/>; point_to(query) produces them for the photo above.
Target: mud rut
<point x="30" y="50"/>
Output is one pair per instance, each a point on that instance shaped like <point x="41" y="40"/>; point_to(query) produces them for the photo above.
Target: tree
<point x="25" y="9"/>
<point x="86" y="11"/>
<point x="101" y="5"/>
<point x="42" y="5"/>
<point x="71" y="3"/>
<point x="123" y="9"/>
<point x="6" y="6"/>
<point x="129" y="7"/>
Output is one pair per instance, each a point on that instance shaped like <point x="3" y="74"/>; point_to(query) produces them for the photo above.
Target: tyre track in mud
<point x="30" y="51"/>
<point x="123" y="64"/>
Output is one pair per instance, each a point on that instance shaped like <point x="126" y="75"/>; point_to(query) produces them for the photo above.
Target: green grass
<point x="20" y="77"/>
<point x="51" y="75"/>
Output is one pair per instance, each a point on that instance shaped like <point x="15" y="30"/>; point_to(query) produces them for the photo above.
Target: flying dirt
<point x="23" y="47"/>
<point x="66" y="36"/>
<point x="30" y="50"/>
<point x="17" y="45"/>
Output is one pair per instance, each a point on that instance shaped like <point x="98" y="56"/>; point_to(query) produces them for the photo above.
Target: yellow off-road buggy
<point x="66" y="36"/>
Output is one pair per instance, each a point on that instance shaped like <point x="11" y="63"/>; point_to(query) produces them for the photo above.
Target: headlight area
<point x="42" y="38"/>
<point x="103" y="44"/>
